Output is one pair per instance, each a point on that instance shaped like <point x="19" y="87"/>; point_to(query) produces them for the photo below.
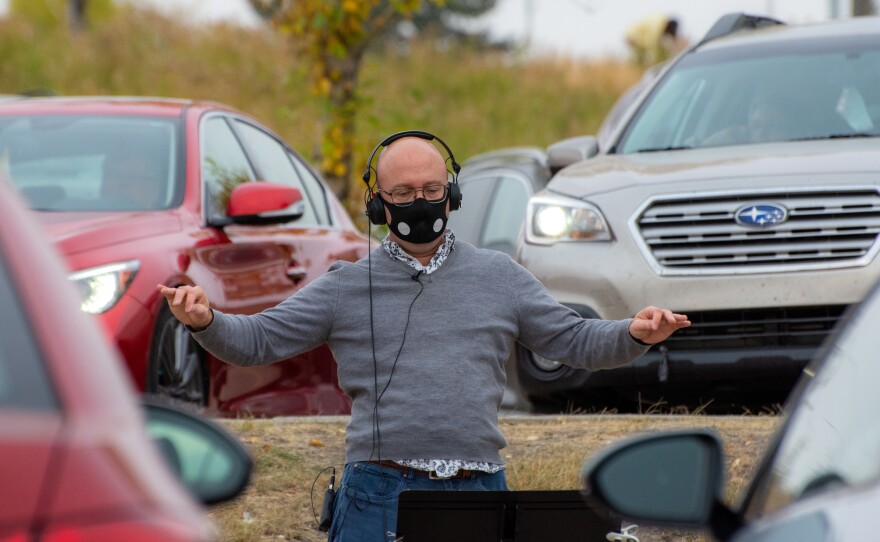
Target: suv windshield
<point x="91" y="163"/>
<point x="768" y="92"/>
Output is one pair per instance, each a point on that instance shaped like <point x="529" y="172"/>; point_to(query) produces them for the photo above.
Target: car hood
<point x="612" y="172"/>
<point x="74" y="233"/>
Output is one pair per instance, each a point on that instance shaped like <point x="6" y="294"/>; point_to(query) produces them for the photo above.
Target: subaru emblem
<point x="761" y="215"/>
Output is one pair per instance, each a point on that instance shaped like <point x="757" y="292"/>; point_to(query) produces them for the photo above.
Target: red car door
<point x="254" y="267"/>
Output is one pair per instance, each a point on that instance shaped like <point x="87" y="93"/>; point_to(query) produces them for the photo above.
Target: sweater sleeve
<point x="296" y="325"/>
<point x="557" y="332"/>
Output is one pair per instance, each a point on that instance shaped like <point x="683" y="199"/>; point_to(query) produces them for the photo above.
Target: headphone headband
<point x="408" y="133"/>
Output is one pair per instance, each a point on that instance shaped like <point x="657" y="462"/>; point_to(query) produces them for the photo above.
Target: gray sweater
<point x="461" y="324"/>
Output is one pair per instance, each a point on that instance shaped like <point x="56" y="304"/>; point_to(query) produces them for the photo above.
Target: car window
<point x="24" y="384"/>
<point x="832" y="438"/>
<point x="224" y="165"/>
<point x="505" y="214"/>
<point x="273" y="163"/>
<point x="467" y="222"/>
<point x="797" y="91"/>
<point x="93" y="163"/>
<point x="315" y="191"/>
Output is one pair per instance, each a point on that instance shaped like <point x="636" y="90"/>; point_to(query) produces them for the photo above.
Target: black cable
<point x="376" y="430"/>
<point x="377" y="434"/>
<point x="405" y="328"/>
<point x="372" y="336"/>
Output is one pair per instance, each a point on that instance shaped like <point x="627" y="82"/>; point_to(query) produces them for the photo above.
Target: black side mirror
<point x="212" y="464"/>
<point x="670" y="478"/>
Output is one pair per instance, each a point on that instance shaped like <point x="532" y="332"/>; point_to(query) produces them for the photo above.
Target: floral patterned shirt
<point x="442" y="468"/>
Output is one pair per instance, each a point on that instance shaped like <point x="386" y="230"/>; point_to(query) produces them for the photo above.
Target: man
<point x="766" y="121"/>
<point x="421" y="330"/>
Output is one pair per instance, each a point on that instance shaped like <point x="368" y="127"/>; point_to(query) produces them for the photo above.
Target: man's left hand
<point x="653" y="324"/>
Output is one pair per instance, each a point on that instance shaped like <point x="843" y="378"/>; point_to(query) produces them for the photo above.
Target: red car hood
<point x="73" y="233"/>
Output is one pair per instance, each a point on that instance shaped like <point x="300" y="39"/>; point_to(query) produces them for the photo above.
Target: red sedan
<point x="77" y="460"/>
<point x="136" y="192"/>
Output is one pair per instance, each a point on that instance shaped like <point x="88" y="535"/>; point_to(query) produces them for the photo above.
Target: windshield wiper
<point x="670" y="148"/>
<point x="855" y="135"/>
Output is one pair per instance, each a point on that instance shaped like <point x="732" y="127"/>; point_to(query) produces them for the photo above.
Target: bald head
<point x="410" y="161"/>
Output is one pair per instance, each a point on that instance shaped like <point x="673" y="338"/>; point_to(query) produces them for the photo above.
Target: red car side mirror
<point x="264" y="203"/>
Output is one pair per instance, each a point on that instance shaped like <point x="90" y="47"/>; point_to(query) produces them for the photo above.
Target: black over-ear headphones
<point x="375" y="207"/>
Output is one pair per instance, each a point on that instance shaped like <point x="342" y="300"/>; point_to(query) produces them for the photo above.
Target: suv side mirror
<point x="670" y="478"/>
<point x="212" y="464"/>
<point x="569" y="151"/>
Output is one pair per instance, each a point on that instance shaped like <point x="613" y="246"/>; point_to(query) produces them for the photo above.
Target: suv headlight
<point x="101" y="287"/>
<point x="550" y="219"/>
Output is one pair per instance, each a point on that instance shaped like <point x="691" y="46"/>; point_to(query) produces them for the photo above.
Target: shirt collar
<point x="394" y="250"/>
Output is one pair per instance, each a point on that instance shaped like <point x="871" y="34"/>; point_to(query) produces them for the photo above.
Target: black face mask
<point x="420" y="222"/>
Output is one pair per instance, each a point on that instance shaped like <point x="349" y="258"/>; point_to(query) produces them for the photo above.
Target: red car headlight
<point x="101" y="287"/>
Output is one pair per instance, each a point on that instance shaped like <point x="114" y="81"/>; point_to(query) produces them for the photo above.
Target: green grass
<point x="475" y="101"/>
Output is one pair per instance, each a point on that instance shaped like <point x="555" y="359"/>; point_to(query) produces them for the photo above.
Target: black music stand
<point x="500" y="516"/>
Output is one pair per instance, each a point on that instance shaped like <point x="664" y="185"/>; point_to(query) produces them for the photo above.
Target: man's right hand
<point x="189" y="304"/>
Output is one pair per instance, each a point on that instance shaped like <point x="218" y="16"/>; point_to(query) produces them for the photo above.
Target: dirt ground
<point x="543" y="453"/>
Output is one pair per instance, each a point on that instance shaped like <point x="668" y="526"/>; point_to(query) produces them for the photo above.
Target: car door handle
<point x="296" y="273"/>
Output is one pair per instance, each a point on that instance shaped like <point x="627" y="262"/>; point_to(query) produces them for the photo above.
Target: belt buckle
<point x="460" y="473"/>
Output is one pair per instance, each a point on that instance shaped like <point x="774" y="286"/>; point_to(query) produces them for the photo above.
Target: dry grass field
<point x="543" y="453"/>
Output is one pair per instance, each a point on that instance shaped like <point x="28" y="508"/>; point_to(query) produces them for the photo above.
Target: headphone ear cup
<point x="376" y="211"/>
<point x="454" y="196"/>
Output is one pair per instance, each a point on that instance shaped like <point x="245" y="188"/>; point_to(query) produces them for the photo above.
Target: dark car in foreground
<point x="819" y="480"/>
<point x="80" y="458"/>
<point x="135" y="192"/>
<point x="739" y="188"/>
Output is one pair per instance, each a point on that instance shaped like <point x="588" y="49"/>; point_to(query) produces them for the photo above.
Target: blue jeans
<point x="365" y="509"/>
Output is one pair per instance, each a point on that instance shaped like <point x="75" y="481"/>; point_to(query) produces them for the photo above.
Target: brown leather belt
<point x="462" y="473"/>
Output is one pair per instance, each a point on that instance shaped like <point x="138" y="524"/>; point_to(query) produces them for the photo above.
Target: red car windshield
<point x="93" y="163"/>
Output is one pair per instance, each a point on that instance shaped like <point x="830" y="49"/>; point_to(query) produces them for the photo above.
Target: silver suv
<point x="742" y="188"/>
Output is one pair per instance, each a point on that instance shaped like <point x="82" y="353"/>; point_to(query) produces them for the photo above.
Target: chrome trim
<point x="804" y="219"/>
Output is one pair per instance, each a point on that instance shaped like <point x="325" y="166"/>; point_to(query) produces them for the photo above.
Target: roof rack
<point x="733" y="22"/>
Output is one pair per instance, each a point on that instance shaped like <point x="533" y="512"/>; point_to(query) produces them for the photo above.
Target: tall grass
<point x="475" y="101"/>
<point x="481" y="101"/>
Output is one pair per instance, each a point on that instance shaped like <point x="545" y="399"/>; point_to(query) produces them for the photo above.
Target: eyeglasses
<point x="404" y="196"/>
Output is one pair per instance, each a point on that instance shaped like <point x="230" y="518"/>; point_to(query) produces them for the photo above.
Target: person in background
<point x="766" y="120"/>
<point x="653" y="39"/>
<point x="421" y="330"/>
